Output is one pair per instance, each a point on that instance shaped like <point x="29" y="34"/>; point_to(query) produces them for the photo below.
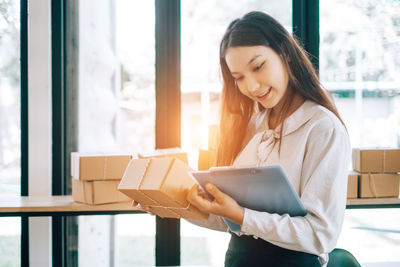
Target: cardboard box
<point x="97" y="192"/>
<point x="91" y="167"/>
<point x="207" y="159"/>
<point x="161" y="183"/>
<point x="352" y="185"/>
<point x="166" y="152"/>
<point x="373" y="185"/>
<point x="376" y="160"/>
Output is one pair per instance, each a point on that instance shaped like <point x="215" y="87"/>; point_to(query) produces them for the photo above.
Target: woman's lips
<point x="264" y="96"/>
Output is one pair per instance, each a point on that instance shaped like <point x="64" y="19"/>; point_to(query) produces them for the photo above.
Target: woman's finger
<point x="204" y="204"/>
<point x="148" y="210"/>
<point x="200" y="200"/>
<point x="192" y="193"/>
<point x="214" y="191"/>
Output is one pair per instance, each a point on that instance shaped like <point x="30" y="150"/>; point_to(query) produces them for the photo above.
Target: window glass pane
<point x="135" y="38"/>
<point x="135" y="235"/>
<point x="203" y="25"/>
<point x="117" y="78"/>
<point x="10" y="242"/>
<point x="372" y="236"/>
<point x="116" y="114"/>
<point x="359" y="65"/>
<point x="10" y="130"/>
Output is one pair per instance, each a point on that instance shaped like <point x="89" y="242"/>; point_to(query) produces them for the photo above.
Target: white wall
<point x="39" y="95"/>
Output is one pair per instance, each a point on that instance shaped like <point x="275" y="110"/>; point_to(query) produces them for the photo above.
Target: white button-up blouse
<point x="315" y="155"/>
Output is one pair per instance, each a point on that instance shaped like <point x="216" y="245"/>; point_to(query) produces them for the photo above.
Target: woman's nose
<point x="252" y="85"/>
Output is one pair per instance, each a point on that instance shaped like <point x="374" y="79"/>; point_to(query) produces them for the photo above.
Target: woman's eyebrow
<point x="251" y="60"/>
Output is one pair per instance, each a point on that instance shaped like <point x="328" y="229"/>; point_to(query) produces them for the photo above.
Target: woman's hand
<point x="144" y="208"/>
<point x="222" y="205"/>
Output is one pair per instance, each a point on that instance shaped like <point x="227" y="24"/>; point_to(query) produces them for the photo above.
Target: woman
<point x="274" y="111"/>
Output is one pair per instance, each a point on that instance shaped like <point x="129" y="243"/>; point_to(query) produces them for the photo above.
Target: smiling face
<point x="259" y="73"/>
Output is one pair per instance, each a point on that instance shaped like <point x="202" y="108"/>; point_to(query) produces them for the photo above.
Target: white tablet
<point x="264" y="188"/>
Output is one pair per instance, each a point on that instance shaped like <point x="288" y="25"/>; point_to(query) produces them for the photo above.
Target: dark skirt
<point x="246" y="251"/>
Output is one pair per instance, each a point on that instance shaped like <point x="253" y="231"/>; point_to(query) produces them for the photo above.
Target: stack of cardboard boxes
<point x="95" y="177"/>
<point x="160" y="180"/>
<point x="376" y="173"/>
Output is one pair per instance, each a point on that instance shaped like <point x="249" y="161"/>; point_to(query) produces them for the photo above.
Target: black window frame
<point x="24" y="190"/>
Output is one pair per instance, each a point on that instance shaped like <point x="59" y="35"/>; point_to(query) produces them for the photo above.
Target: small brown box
<point x="207" y="159"/>
<point x="92" y="167"/>
<point x="97" y="192"/>
<point x="379" y="160"/>
<point x="166" y="152"/>
<point x="352" y="185"/>
<point x="161" y="183"/>
<point x="374" y="185"/>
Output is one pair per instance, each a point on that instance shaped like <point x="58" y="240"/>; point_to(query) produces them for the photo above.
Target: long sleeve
<point x="214" y="222"/>
<point x="322" y="191"/>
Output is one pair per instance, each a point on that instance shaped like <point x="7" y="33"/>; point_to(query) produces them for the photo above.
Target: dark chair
<point x="342" y="258"/>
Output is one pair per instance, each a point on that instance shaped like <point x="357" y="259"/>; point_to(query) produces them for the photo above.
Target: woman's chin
<point x="268" y="103"/>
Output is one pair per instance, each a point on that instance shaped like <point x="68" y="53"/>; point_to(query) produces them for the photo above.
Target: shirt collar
<point x="297" y="119"/>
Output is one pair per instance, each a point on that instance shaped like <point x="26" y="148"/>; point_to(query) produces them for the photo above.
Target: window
<point x="359" y="64"/>
<point x="10" y="241"/>
<point x="10" y="133"/>
<point x="136" y="53"/>
<point x="116" y="114"/>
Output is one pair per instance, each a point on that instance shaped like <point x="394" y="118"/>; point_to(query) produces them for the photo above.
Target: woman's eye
<point x="239" y="79"/>
<point x="257" y="68"/>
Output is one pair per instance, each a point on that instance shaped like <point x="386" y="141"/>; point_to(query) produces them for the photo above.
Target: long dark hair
<point x="255" y="29"/>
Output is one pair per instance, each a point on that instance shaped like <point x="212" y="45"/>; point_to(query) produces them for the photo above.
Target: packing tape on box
<point x="105" y="168"/>
<point x="144" y="173"/>
<point x="85" y="197"/>
<point x="384" y="160"/>
<point x="372" y="185"/>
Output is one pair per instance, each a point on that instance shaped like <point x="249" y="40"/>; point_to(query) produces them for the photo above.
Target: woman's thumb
<point x="213" y="190"/>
